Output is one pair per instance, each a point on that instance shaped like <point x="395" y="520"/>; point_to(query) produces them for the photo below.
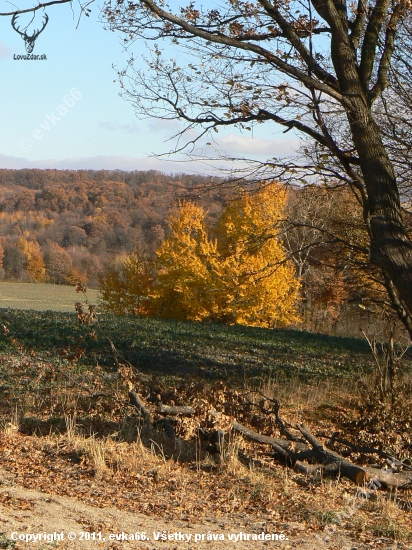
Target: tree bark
<point x="330" y="460"/>
<point x="390" y="248"/>
<point x="388" y="479"/>
<point x="390" y="245"/>
<point x="247" y="432"/>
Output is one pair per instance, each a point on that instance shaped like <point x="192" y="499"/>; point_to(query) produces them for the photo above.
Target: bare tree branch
<point x="35" y="8"/>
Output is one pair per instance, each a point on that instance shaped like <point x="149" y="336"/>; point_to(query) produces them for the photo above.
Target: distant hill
<point x="101" y="162"/>
<point x="79" y="220"/>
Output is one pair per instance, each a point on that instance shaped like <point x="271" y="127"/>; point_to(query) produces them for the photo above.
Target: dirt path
<point x="25" y="511"/>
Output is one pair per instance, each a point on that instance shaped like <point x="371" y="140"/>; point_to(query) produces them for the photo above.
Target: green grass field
<point x="178" y="349"/>
<point x="41" y="297"/>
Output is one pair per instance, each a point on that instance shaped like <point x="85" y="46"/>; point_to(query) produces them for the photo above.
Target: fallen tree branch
<point x="309" y="459"/>
<point x="282" y="428"/>
<point x="138" y="403"/>
<point x="371" y="450"/>
<point x="326" y="457"/>
<point x="174" y="410"/>
<point x="275" y="410"/>
<point x="400" y="480"/>
<point x="247" y="432"/>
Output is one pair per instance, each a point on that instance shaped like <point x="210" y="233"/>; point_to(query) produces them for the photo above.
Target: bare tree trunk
<point x="390" y="245"/>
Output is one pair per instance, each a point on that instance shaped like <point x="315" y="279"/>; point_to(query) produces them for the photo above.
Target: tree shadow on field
<point x="176" y="348"/>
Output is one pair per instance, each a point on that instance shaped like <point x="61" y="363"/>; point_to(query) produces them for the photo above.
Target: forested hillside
<point x="62" y="226"/>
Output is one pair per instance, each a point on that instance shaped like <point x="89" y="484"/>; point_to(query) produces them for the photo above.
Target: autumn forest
<point x="190" y="247"/>
<point x="62" y="226"/>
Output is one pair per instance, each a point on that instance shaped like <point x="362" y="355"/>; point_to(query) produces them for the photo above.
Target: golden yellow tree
<point x="34" y="264"/>
<point x="236" y="274"/>
<point x="257" y="286"/>
<point x="241" y="276"/>
<point x="185" y="263"/>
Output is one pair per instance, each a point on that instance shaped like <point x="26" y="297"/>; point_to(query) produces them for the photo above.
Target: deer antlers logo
<point x="29" y="41"/>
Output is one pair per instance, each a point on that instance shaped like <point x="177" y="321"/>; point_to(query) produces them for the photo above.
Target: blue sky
<point x="100" y="130"/>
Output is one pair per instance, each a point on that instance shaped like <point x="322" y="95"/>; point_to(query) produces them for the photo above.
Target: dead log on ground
<point x="388" y="479"/>
<point x="324" y="459"/>
<point x="138" y="403"/>
<point x="331" y="460"/>
<point x="318" y="458"/>
<point x="175" y="410"/>
<point x="369" y="450"/>
<point x="247" y="432"/>
<point x="274" y="410"/>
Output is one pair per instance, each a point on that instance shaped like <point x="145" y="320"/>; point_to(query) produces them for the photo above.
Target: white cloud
<point x="232" y="145"/>
<point x="166" y="127"/>
<point x="117" y="127"/>
<point x="250" y="147"/>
